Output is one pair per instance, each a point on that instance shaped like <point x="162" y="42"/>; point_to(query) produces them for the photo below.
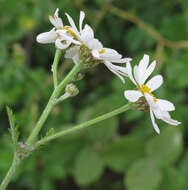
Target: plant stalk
<point x="50" y="104"/>
<point x="82" y="125"/>
<point x="54" y="66"/>
<point x="10" y="172"/>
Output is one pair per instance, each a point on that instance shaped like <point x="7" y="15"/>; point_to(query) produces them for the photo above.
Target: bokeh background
<point x="123" y="152"/>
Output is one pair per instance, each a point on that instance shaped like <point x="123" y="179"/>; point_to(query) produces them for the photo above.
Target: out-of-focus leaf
<point x="173" y="180"/>
<point x="104" y="130"/>
<point x="121" y="153"/>
<point x="166" y="147"/>
<point x="143" y="175"/>
<point x="178" y="65"/>
<point x="46" y="184"/>
<point x="183" y="166"/>
<point x="174" y="27"/>
<point x="88" y="167"/>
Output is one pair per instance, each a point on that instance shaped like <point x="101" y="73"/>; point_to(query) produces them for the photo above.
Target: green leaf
<point x="13" y="128"/>
<point x="173" y="180"/>
<point x="123" y="152"/>
<point x="184" y="165"/>
<point x="143" y="175"/>
<point x="166" y="147"/>
<point x="102" y="131"/>
<point x="46" y="185"/>
<point x="88" y="167"/>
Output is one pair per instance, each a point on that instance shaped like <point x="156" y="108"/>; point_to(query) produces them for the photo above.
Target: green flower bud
<point x="71" y="89"/>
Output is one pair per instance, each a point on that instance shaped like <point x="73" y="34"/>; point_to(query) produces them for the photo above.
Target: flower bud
<point x="71" y="89"/>
<point x="79" y="76"/>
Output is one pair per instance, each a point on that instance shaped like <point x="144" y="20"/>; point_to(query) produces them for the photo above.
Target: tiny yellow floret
<point x="70" y="31"/>
<point x="102" y="51"/>
<point x="144" y="89"/>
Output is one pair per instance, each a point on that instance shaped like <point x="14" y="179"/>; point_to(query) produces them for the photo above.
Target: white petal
<point x="87" y="34"/>
<point x="62" y="44"/>
<point x="165" y="105"/>
<point x="55" y="20"/>
<point x="143" y="63"/>
<point x="111" y="53"/>
<point x="56" y="12"/>
<point x="120" y="69"/>
<point x="132" y="95"/>
<point x="72" y="25"/>
<point x="95" y="44"/>
<point x="117" y="70"/>
<point x="123" y="60"/>
<point x="71" y="52"/>
<point x="64" y="36"/>
<point x="129" y="72"/>
<point x="47" y="37"/>
<point x="82" y="16"/>
<point x="155" y="82"/>
<point x="170" y="121"/>
<point x="136" y="74"/>
<point x="95" y="54"/>
<point x="142" y="66"/>
<point x="153" y="122"/>
<point x="148" y="72"/>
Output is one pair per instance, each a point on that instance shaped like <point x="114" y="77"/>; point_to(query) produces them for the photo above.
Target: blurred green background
<point x="123" y="152"/>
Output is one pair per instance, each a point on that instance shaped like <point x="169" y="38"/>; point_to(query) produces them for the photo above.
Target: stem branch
<point x="54" y="66"/>
<point x="83" y="125"/>
<point x="10" y="172"/>
<point x="50" y="104"/>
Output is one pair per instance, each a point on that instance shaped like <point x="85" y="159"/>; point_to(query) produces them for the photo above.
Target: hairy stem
<point x="50" y="104"/>
<point x="54" y="66"/>
<point x="10" y="172"/>
<point x="83" y="125"/>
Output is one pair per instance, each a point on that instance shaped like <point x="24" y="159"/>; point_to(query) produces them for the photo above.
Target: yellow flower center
<point x="102" y="51"/>
<point x="143" y="88"/>
<point x="70" y="32"/>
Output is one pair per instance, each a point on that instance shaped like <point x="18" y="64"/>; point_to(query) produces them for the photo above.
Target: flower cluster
<point x="80" y="44"/>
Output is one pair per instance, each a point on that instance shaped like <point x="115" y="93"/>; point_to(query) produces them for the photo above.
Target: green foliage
<point x="13" y="128"/>
<point x="143" y="175"/>
<point x="173" y="179"/>
<point x="123" y="149"/>
<point x="122" y="152"/>
<point x="104" y="130"/>
<point x="88" y="166"/>
<point x="167" y="147"/>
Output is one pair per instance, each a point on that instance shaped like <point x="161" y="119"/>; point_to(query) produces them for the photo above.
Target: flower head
<point x="158" y="108"/>
<point x="97" y="53"/>
<point x="60" y="34"/>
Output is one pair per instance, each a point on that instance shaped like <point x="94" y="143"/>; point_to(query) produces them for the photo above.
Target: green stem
<point x="10" y="172"/>
<point x="50" y="104"/>
<point x="83" y="125"/>
<point x="54" y="66"/>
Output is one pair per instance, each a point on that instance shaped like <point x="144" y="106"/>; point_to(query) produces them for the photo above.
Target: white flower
<point x="159" y="108"/>
<point x="105" y="55"/>
<point x="55" y="20"/>
<point x="61" y="35"/>
<point x="47" y="37"/>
